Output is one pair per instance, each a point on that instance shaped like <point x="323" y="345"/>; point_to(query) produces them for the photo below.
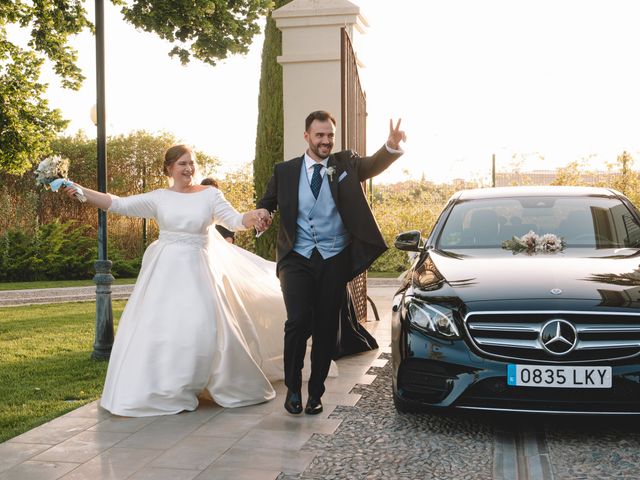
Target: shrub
<point x="56" y="251"/>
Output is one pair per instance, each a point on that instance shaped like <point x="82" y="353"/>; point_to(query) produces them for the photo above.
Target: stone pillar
<point x="311" y="69"/>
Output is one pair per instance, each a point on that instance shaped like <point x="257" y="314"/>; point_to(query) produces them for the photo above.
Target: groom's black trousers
<point x="314" y="290"/>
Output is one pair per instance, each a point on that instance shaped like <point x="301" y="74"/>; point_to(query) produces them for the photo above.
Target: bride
<point x="203" y="314"/>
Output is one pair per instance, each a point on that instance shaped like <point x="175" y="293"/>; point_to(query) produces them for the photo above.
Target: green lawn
<point x="59" y="283"/>
<point x="45" y="363"/>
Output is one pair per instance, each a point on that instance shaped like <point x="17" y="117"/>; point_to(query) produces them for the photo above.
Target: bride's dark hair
<point x="172" y="155"/>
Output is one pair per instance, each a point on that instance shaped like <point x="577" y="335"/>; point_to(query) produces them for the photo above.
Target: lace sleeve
<point x="143" y="205"/>
<point x="224" y="213"/>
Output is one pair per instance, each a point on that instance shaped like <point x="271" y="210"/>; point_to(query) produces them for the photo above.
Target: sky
<point x="537" y="83"/>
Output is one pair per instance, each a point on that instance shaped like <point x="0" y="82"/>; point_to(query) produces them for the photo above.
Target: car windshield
<point x="586" y="222"/>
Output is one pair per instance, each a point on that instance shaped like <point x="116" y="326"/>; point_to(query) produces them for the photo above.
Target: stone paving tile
<point x="378" y="363"/>
<point x="90" y="410"/>
<point x="81" y="448"/>
<point x="113" y="464"/>
<point x="161" y="434"/>
<point x="56" y="431"/>
<point x="230" y="425"/>
<point x="342" y="384"/>
<point x="121" y="424"/>
<point x="366" y="379"/>
<point x="193" y="453"/>
<point x="259" y="409"/>
<point x="356" y="370"/>
<point x="266" y="459"/>
<point x="298" y="423"/>
<point x="227" y="473"/>
<point x="348" y="399"/>
<point x="205" y="411"/>
<point x="152" y="473"/>
<point x="280" y="440"/>
<point x="32" y="470"/>
<point x="12" y="454"/>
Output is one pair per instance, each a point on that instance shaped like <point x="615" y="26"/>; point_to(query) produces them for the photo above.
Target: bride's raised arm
<point x="141" y="205"/>
<point x="97" y="199"/>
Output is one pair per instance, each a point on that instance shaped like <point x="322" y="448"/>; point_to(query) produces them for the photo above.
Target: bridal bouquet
<point x="533" y="243"/>
<point x="52" y="174"/>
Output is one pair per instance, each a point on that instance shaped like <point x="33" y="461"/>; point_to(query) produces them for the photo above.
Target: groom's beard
<point x="321" y="150"/>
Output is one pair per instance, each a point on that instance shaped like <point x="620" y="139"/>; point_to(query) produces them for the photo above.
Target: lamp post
<point x="103" y="278"/>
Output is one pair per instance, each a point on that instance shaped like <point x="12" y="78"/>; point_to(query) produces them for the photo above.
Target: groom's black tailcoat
<point x="314" y="289"/>
<point x="367" y="242"/>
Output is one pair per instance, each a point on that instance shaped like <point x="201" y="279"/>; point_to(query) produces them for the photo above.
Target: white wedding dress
<point x="204" y="314"/>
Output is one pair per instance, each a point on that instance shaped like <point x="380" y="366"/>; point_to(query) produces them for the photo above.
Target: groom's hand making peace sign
<point x="395" y="135"/>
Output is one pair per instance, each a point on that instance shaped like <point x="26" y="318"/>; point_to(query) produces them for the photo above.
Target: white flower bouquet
<point x="533" y="243"/>
<point x="52" y="174"/>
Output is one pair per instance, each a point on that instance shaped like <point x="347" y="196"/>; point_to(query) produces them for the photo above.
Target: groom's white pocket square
<point x="341" y="177"/>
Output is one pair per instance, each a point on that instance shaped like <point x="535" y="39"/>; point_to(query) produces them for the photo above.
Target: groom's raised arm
<point x="368" y="167"/>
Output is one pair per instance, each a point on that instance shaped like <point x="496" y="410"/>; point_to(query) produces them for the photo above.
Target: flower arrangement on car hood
<point x="534" y="243"/>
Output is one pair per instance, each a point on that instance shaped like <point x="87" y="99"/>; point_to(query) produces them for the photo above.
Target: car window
<point x="580" y="221"/>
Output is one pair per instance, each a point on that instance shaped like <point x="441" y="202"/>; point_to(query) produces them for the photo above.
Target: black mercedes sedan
<point x="522" y="299"/>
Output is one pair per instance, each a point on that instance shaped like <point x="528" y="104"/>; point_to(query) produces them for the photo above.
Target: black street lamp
<point x="103" y="278"/>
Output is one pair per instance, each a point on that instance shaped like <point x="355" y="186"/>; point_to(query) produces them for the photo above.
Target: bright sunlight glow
<point x="542" y="82"/>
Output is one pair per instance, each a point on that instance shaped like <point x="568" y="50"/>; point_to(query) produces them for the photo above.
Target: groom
<point x="327" y="236"/>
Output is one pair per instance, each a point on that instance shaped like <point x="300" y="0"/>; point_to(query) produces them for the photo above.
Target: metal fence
<point x="354" y="137"/>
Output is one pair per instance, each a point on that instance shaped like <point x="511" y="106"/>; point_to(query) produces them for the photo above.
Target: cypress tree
<point x="270" y="130"/>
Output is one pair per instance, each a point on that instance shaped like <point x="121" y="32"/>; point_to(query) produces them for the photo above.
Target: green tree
<point x="208" y="30"/>
<point x="270" y="130"/>
<point x="627" y="180"/>
<point x="403" y="206"/>
<point x="237" y="187"/>
<point x="569" y="175"/>
<point x="135" y="165"/>
<point x="27" y="124"/>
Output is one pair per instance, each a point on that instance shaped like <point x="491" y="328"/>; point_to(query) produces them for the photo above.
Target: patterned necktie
<point x="316" y="179"/>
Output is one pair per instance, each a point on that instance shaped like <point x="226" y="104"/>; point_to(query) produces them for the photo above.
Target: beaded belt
<point x="194" y="239"/>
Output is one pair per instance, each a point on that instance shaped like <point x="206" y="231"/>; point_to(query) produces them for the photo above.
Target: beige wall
<point x="311" y="62"/>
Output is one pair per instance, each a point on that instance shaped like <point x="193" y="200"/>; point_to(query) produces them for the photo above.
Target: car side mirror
<point x="409" y="241"/>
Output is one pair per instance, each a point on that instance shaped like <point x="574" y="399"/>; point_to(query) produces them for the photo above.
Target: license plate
<point x="558" y="377"/>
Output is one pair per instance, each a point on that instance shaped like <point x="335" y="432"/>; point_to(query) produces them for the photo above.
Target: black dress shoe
<point x="293" y="402"/>
<point x="314" y="406"/>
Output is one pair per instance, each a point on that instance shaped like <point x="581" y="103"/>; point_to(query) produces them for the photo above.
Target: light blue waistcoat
<point x="319" y="223"/>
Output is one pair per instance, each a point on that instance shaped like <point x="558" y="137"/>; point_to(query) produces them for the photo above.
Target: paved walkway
<point x="13" y="298"/>
<point x="256" y="442"/>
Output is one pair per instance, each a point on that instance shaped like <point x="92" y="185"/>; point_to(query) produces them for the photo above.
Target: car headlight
<point x="434" y="320"/>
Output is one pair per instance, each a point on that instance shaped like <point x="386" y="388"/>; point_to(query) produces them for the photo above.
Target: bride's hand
<point x="265" y="219"/>
<point x="259" y="219"/>
<point x="70" y="190"/>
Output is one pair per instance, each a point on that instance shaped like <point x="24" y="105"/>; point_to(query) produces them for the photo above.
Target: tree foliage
<point x="627" y="181"/>
<point x="403" y="206"/>
<point x="270" y="129"/>
<point x="27" y="123"/>
<point x="207" y="30"/>
<point x="237" y="187"/>
<point x="134" y="166"/>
